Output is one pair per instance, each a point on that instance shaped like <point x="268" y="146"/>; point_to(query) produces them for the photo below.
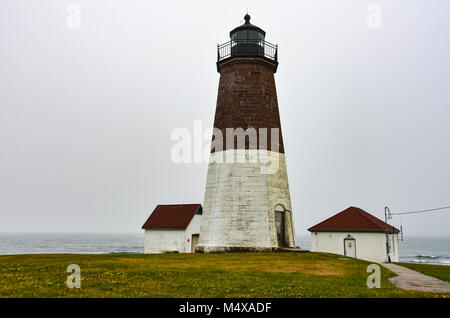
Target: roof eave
<point x="164" y="228"/>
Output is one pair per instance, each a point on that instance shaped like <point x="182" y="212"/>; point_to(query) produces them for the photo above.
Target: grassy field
<point x="439" y="271"/>
<point x="194" y="275"/>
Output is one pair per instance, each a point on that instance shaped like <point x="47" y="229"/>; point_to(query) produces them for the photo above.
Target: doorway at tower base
<point x="247" y="207"/>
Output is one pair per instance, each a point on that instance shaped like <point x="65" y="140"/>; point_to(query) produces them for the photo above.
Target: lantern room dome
<point x="247" y="26"/>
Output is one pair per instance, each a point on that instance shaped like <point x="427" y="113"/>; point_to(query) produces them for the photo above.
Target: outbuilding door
<point x="194" y="242"/>
<point x="350" y="247"/>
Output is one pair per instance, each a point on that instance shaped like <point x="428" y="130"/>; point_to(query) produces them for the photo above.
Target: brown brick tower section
<point x="247" y="98"/>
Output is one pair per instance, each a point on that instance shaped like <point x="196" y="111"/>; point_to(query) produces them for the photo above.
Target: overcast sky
<point x="86" y="114"/>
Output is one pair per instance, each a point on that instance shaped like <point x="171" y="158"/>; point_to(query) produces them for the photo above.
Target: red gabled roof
<point x="354" y="219"/>
<point x="172" y="216"/>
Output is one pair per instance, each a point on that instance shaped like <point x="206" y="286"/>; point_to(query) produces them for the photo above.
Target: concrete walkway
<point x="412" y="280"/>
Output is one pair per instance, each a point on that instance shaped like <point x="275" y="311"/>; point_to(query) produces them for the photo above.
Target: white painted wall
<point x="369" y="246"/>
<point x="159" y="240"/>
<point x="240" y="200"/>
<point x="193" y="228"/>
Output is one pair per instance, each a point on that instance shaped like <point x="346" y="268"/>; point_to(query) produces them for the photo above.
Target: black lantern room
<point x="247" y="40"/>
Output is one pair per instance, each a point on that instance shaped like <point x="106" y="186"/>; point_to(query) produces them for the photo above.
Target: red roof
<point x="173" y="216"/>
<point x="353" y="219"/>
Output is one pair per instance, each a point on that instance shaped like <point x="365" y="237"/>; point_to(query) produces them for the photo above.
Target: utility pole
<point x="386" y="211"/>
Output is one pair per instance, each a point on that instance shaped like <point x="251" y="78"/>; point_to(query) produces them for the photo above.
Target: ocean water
<point x="427" y="250"/>
<point x="72" y="243"/>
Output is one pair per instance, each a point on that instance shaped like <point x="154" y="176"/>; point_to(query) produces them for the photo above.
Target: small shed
<point x="173" y="228"/>
<point x="356" y="233"/>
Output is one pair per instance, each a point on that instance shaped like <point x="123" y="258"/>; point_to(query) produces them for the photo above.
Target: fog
<point x="87" y="110"/>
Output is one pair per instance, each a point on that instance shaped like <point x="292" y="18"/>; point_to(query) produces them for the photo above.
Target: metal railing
<point x="247" y="48"/>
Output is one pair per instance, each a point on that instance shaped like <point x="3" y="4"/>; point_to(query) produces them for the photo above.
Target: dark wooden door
<point x="280" y="222"/>
<point x="194" y="242"/>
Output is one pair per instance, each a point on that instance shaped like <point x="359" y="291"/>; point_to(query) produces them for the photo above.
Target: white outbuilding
<point x="356" y="233"/>
<point x="173" y="228"/>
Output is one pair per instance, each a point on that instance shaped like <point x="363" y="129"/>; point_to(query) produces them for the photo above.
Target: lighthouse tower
<point x="247" y="204"/>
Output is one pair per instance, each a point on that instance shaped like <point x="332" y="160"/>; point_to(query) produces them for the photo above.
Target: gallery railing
<point x="247" y="48"/>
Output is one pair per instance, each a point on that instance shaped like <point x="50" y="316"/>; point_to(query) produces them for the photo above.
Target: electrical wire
<point x="422" y="211"/>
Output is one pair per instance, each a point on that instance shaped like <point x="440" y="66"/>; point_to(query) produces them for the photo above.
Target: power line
<point x="421" y="211"/>
<point x="388" y="215"/>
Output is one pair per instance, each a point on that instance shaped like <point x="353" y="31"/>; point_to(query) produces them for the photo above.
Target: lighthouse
<point x="247" y="205"/>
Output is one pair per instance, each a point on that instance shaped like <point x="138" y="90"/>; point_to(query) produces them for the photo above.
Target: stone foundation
<point x="248" y="249"/>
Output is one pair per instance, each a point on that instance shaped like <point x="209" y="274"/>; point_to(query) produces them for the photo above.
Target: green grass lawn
<point x="439" y="271"/>
<point x="194" y="275"/>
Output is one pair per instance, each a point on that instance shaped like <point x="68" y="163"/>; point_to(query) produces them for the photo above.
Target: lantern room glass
<point x="247" y="36"/>
<point x="247" y="42"/>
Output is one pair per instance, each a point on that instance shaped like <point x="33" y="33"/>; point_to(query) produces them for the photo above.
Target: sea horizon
<point x="424" y="249"/>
